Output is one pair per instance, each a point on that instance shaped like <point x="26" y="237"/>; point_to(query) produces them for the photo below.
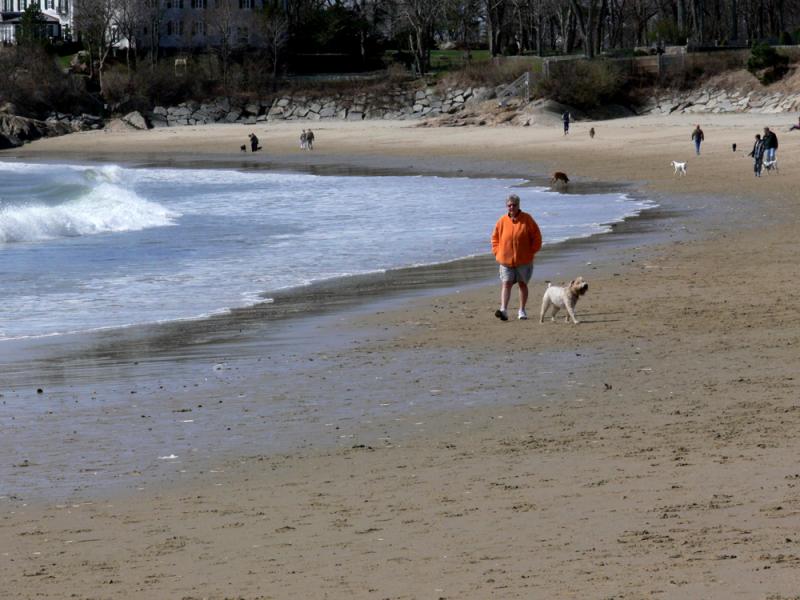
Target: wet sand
<point x="439" y="453"/>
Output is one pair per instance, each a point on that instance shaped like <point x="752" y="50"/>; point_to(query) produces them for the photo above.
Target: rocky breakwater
<point x="391" y="104"/>
<point x="16" y="130"/>
<point x="721" y="101"/>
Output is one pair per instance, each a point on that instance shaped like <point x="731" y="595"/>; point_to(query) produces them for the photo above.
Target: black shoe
<point x="501" y="314"/>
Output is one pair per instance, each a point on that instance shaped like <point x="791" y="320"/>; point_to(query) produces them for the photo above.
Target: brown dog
<point x="559" y="177"/>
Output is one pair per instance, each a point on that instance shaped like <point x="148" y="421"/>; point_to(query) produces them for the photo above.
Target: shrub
<point x="161" y="86"/>
<point x="582" y="83"/>
<point x="489" y="74"/>
<point x="766" y="64"/>
<point x="31" y="78"/>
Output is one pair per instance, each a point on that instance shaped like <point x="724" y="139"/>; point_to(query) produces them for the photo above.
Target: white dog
<point x="680" y="167"/>
<point x="557" y="297"/>
<point x="771" y="165"/>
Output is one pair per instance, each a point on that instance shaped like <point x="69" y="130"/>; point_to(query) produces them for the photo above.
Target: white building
<point x="197" y="23"/>
<point x="57" y="17"/>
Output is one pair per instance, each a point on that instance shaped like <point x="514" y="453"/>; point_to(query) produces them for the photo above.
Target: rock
<point x="222" y="104"/>
<point x="136" y="120"/>
<point x="8" y="108"/>
<point x="15" y="130"/>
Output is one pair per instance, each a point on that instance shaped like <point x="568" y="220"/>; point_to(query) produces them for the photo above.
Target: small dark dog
<point x="591" y="132"/>
<point x="243" y="148"/>
<point x="559" y="177"/>
<point x="734" y="147"/>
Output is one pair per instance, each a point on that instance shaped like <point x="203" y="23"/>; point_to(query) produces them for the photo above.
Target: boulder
<point x="136" y="120"/>
<point x="15" y="130"/>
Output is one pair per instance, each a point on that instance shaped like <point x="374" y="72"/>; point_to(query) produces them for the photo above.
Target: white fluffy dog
<point x="679" y="167"/>
<point x="771" y="165"/>
<point x="557" y="297"/>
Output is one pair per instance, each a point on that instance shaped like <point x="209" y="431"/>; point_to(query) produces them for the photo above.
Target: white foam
<point x="105" y="208"/>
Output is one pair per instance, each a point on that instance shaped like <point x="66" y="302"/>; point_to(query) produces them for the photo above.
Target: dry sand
<point x="650" y="451"/>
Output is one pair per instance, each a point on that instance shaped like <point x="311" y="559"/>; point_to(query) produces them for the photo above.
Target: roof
<point x="15" y="18"/>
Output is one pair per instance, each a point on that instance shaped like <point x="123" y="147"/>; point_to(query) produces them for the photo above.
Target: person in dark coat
<point x="254" y="142"/>
<point x="697" y="137"/>
<point x="758" y="155"/>
<point x="770" y="144"/>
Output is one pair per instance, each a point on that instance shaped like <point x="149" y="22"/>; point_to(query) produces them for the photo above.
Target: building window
<point x="198" y="28"/>
<point x="199" y="3"/>
<point x="245" y="3"/>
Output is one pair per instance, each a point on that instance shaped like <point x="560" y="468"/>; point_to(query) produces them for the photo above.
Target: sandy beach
<point x="649" y="451"/>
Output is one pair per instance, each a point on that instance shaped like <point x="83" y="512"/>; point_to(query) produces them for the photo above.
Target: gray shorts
<point x="522" y="273"/>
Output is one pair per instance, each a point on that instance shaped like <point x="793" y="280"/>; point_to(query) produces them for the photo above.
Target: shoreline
<point x="647" y="451"/>
<point x="73" y="364"/>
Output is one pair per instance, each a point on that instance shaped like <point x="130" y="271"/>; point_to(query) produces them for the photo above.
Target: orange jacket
<point x="515" y="241"/>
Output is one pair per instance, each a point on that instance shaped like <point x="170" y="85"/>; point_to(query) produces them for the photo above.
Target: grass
<point x="64" y="61"/>
<point x="445" y="60"/>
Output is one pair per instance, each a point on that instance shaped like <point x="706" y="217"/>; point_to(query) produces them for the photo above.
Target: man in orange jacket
<point x="515" y="240"/>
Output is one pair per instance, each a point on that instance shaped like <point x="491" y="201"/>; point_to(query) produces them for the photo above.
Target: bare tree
<point x="273" y="29"/>
<point x="587" y="13"/>
<point x="422" y="16"/>
<point x="226" y="29"/>
<point x="94" y="21"/>
<point x="129" y="17"/>
<point x="462" y="17"/>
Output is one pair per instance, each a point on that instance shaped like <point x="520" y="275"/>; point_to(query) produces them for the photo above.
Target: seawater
<point x="86" y="247"/>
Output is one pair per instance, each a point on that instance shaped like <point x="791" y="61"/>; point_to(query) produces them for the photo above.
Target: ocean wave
<point x="101" y="207"/>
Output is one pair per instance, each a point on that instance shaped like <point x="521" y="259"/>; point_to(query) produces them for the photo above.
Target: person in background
<point x="254" y="143"/>
<point x="770" y="144"/>
<point x="698" y="136"/>
<point x="310" y="140"/>
<point x="758" y="155"/>
<point x="566" y="117"/>
<point x="516" y="239"/>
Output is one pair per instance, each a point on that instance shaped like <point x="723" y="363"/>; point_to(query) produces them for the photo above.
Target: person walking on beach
<point x="770" y="144"/>
<point x="310" y="140"/>
<point x="697" y="137"/>
<point x="758" y="155"/>
<point x="565" y="117"/>
<point x="303" y="140"/>
<point x="516" y="239"/>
